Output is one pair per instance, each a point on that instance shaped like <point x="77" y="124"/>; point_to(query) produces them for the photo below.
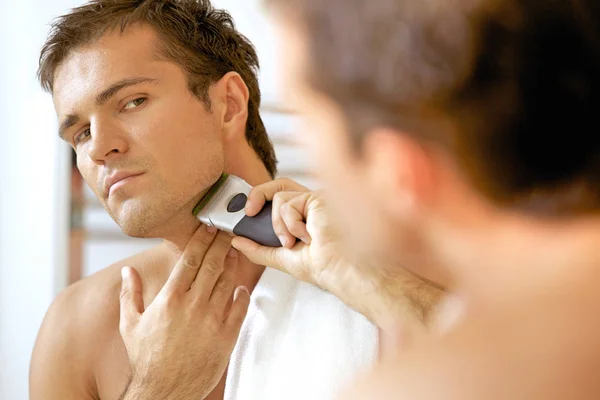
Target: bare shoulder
<point x="80" y="324"/>
<point x="542" y="342"/>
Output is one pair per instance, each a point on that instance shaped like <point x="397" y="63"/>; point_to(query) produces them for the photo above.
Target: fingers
<point x="286" y="238"/>
<point x="131" y="301"/>
<point x="265" y="192"/>
<point x="186" y="269"/>
<point x="223" y="290"/>
<point x="293" y="215"/>
<point x="261" y="255"/>
<point x="212" y="267"/>
<point x="239" y="308"/>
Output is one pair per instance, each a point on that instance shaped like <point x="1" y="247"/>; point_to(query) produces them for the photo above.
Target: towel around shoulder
<point x="298" y="342"/>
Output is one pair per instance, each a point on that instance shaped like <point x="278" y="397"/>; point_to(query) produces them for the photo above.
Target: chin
<point x="137" y="229"/>
<point x="138" y="221"/>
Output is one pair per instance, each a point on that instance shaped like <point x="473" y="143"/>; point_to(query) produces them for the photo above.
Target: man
<point x="460" y="136"/>
<point x="158" y="98"/>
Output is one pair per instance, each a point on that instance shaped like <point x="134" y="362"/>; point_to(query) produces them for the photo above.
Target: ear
<point x="400" y="169"/>
<point x="235" y="105"/>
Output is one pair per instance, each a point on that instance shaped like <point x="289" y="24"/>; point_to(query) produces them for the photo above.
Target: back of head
<point x="510" y="88"/>
<point x="202" y="40"/>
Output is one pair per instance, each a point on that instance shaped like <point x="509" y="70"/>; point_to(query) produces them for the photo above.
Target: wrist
<point x="360" y="290"/>
<point x="155" y="386"/>
<point x="144" y="387"/>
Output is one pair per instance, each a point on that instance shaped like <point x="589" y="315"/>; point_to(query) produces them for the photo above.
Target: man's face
<point x="145" y="144"/>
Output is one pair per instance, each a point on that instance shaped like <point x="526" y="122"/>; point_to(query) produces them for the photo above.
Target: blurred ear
<point x="235" y="105"/>
<point x="400" y="169"/>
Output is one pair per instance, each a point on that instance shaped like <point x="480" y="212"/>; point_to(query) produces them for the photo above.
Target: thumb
<point x="261" y="255"/>
<point x="132" y="303"/>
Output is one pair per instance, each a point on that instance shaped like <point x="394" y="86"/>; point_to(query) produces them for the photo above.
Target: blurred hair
<point x="511" y="88"/>
<point x="202" y="40"/>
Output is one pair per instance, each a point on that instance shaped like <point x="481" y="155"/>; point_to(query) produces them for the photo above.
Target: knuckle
<point x="223" y="244"/>
<point x="286" y="207"/>
<point x="295" y="229"/>
<point x="280" y="197"/>
<point x="124" y="294"/>
<point x="287" y="211"/>
<point x="213" y="322"/>
<point x="278" y="220"/>
<point x="168" y="301"/>
<point x="191" y="261"/>
<point x="285" y="182"/>
<point x="223" y="238"/>
<point x="213" y="267"/>
<point x="204" y="239"/>
<point x="258" y="190"/>
<point x="223" y="285"/>
<point x="231" y="265"/>
<point x="218" y="324"/>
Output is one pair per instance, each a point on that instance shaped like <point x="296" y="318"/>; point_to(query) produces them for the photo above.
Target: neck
<point x="186" y="224"/>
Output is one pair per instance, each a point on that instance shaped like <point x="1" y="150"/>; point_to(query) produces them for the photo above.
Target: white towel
<point x="298" y="342"/>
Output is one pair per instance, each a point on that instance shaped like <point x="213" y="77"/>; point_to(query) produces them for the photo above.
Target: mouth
<point x="119" y="180"/>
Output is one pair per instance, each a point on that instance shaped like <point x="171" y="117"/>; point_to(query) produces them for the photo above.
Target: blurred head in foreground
<point x="447" y="129"/>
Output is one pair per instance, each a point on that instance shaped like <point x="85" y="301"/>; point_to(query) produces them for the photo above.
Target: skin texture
<point x="525" y="309"/>
<point x="181" y="148"/>
<point x="141" y="129"/>
<point x="157" y="128"/>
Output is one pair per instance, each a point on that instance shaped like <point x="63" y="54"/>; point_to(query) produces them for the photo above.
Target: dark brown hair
<point x="200" y="39"/>
<point x="511" y="88"/>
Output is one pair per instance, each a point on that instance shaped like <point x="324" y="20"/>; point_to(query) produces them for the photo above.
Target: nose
<point x="107" y="140"/>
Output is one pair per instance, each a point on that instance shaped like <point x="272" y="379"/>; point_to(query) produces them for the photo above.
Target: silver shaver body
<point x="225" y="211"/>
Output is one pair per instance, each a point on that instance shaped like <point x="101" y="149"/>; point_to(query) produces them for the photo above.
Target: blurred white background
<point x="37" y="253"/>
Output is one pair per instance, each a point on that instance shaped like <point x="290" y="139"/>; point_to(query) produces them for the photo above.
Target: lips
<point x="117" y="177"/>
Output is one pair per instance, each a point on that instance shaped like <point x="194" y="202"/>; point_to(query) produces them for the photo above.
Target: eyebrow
<point x="68" y="122"/>
<point x="102" y="98"/>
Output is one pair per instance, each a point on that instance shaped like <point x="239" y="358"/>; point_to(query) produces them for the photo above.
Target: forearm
<point x="385" y="298"/>
<point x="406" y="294"/>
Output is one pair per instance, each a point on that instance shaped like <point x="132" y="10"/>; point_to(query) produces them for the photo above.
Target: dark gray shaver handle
<point x="259" y="228"/>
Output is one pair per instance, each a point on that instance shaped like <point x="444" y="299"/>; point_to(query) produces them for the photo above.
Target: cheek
<point x="185" y="144"/>
<point x="89" y="175"/>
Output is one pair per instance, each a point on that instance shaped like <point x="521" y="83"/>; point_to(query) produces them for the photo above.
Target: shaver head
<point x="205" y="200"/>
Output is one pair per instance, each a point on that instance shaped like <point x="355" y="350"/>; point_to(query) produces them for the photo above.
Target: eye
<point x="82" y="136"/>
<point x="134" y="103"/>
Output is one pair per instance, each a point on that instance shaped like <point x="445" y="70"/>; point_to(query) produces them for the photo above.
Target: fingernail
<point x="283" y="240"/>
<point x="125" y="272"/>
<point x="232" y="253"/>
<point x="305" y="240"/>
<point x="238" y="290"/>
<point x="248" y="205"/>
<point x="210" y="229"/>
